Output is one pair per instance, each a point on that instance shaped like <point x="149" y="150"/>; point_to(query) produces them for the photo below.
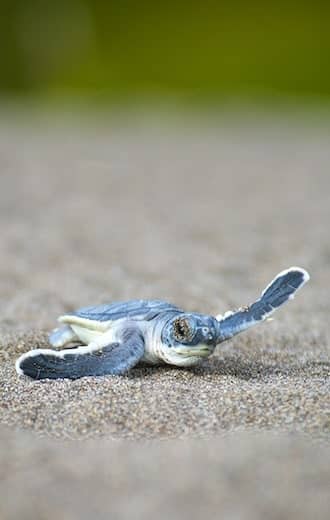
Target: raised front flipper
<point x="92" y="360"/>
<point x="279" y="291"/>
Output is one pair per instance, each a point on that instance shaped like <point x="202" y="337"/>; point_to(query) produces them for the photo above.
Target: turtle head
<point x="188" y="337"/>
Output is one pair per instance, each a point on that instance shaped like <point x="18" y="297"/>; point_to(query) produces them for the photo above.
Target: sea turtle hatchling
<point x="117" y="336"/>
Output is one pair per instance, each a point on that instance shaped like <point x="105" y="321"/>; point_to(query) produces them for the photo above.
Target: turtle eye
<point x="183" y="331"/>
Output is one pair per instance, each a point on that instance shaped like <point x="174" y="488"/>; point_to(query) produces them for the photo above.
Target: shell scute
<point x="135" y="309"/>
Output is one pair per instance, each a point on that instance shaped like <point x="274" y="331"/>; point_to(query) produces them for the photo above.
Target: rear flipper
<point x="92" y="360"/>
<point x="62" y="336"/>
<point x="279" y="291"/>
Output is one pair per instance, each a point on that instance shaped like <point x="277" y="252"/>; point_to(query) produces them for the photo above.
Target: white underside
<point x="88" y="335"/>
<point x="100" y="326"/>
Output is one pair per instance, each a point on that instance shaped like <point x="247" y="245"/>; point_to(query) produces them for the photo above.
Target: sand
<point x="203" y="214"/>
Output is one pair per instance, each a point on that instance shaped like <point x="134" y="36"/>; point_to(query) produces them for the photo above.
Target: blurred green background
<point x="192" y="51"/>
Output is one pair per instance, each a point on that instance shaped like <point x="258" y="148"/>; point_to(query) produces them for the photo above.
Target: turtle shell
<point x="136" y="309"/>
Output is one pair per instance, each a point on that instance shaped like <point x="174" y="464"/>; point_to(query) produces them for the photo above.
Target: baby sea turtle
<point x="117" y="336"/>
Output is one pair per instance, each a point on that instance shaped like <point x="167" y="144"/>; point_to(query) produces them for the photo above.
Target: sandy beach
<point x="203" y="214"/>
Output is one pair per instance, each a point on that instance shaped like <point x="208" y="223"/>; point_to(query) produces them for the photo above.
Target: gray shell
<point x="136" y="309"/>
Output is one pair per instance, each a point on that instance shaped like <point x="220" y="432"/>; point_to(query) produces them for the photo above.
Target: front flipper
<point x="92" y="360"/>
<point x="279" y="291"/>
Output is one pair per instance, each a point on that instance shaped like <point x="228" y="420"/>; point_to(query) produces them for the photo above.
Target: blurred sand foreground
<point x="203" y="215"/>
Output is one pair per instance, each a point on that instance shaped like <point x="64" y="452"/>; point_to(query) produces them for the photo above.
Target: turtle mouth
<point x="201" y="351"/>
